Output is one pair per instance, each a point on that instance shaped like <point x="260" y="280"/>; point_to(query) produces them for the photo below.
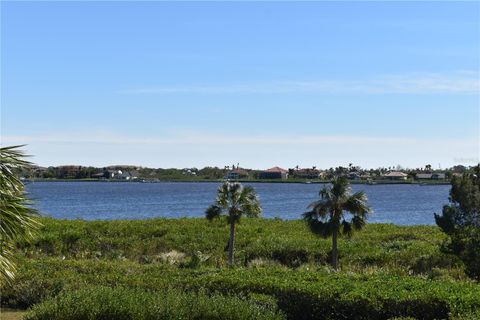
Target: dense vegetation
<point x="387" y="271"/>
<point x="461" y="221"/>
<point x="135" y="304"/>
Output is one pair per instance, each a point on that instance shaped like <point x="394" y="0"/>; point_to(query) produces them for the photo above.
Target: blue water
<point x="399" y="204"/>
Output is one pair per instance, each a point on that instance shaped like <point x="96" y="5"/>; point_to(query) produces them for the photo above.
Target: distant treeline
<point x="216" y="173"/>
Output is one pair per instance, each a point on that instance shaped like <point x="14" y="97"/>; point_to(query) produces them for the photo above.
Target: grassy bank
<point x="386" y="271"/>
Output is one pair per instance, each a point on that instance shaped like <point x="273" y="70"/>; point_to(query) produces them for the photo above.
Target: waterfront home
<point x="274" y="173"/>
<point x="236" y="174"/>
<point x="118" y="174"/>
<point x="430" y="176"/>
<point x="423" y="176"/>
<point x="395" y="175"/>
<point x="307" y="173"/>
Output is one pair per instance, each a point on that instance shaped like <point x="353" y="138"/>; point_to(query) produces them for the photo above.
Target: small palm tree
<point x="234" y="200"/>
<point x="17" y="219"/>
<point x="327" y="217"/>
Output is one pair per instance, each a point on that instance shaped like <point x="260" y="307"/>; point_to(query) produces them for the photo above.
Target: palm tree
<point x="327" y="217"/>
<point x="234" y="200"/>
<point x="17" y="219"/>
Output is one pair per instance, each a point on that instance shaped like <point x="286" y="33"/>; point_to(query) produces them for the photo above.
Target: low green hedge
<point x="321" y="295"/>
<point x="300" y="294"/>
<point x="100" y="303"/>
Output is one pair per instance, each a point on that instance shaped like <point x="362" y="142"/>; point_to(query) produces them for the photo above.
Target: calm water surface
<point x="399" y="204"/>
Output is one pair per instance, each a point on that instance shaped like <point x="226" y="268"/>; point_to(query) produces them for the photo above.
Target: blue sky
<point x="186" y="84"/>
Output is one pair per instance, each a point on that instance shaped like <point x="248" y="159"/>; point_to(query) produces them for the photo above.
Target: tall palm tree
<point x="328" y="215"/>
<point x="17" y="219"/>
<point x="234" y="200"/>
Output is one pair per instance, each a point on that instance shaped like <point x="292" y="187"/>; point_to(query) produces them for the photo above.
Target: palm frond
<point x="347" y="228"/>
<point x="340" y="187"/>
<point x="327" y="214"/>
<point x="357" y="204"/>
<point x="235" y="200"/>
<point x="321" y="208"/>
<point x="250" y="204"/>
<point x="213" y="212"/>
<point x="318" y="227"/>
<point x="17" y="218"/>
<point x="358" y="222"/>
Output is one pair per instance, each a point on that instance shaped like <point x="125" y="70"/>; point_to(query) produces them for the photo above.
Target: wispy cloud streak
<point x="221" y="139"/>
<point x="460" y="82"/>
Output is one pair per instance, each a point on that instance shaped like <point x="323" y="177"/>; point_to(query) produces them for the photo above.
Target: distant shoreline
<point x="377" y="182"/>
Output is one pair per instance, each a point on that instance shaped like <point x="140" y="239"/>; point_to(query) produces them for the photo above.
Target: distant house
<point x="274" y="173"/>
<point x="236" y="174"/>
<point x="118" y="174"/>
<point x="395" y="175"/>
<point x="124" y="176"/>
<point x="430" y="176"/>
<point x="134" y="174"/>
<point x="112" y="174"/>
<point x="438" y="176"/>
<point x="423" y="176"/>
<point x="307" y="173"/>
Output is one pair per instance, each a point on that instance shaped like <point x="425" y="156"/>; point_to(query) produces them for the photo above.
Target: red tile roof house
<point x="274" y="173"/>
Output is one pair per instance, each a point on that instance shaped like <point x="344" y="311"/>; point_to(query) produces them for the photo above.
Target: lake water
<point x="401" y="204"/>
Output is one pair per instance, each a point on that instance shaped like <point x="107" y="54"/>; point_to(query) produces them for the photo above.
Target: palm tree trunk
<point x="334" y="250"/>
<point x="231" y="244"/>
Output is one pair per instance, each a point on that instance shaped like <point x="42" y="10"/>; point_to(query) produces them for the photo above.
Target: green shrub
<point x="427" y="263"/>
<point x="70" y="239"/>
<point x="288" y="242"/>
<point x="46" y="243"/>
<point x="129" y="304"/>
<point x="307" y="295"/>
<point x="460" y="220"/>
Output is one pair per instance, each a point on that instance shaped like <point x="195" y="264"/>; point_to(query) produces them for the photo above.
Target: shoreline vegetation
<point x="354" y="174"/>
<point x="299" y="181"/>
<point x="281" y="271"/>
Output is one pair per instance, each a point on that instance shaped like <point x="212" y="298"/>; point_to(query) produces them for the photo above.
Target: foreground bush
<point x="125" y="304"/>
<point x="300" y="294"/>
<point x="460" y="220"/>
<point x="323" y="295"/>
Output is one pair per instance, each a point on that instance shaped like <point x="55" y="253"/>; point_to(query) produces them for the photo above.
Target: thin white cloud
<point x="228" y="140"/>
<point x="459" y="82"/>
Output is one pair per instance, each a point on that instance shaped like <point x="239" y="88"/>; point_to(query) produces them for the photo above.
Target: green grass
<point x="289" y="243"/>
<point x="386" y="270"/>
